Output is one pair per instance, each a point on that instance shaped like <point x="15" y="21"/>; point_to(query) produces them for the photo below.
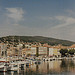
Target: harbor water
<point x="55" y="67"/>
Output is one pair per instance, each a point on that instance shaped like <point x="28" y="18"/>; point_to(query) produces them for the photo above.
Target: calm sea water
<point x="64" y="67"/>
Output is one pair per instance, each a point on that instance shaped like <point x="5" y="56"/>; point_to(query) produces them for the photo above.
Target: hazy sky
<point x="51" y="18"/>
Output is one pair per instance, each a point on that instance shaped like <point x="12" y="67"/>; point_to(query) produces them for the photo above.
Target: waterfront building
<point x="26" y="52"/>
<point x="43" y="51"/>
<point x="3" y="48"/>
<point x="23" y="52"/>
<point x="72" y="46"/>
<point x="33" y="50"/>
<point x="51" y="52"/>
<point x="28" y="45"/>
<point x="54" y="52"/>
<point x="19" y="47"/>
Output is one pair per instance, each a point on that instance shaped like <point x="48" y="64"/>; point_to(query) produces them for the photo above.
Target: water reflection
<point x="58" y="67"/>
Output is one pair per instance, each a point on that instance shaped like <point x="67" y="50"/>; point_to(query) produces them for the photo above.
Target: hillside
<point x="41" y="39"/>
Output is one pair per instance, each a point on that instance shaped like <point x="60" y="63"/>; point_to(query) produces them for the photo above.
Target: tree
<point x="71" y="51"/>
<point x="23" y="46"/>
<point x="28" y="55"/>
<point x="64" y="52"/>
<point x="37" y="51"/>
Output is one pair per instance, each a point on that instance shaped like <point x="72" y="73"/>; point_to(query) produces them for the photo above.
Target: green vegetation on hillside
<point x="66" y="52"/>
<point x="39" y="39"/>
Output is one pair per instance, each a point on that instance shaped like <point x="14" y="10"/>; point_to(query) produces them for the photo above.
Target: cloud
<point x="58" y="21"/>
<point x="16" y="14"/>
<point x="62" y="21"/>
<point x="60" y="18"/>
<point x="71" y="12"/>
<point x="66" y="21"/>
<point x="45" y="18"/>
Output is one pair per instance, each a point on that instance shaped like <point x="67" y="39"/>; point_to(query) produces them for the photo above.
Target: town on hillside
<point x="25" y="49"/>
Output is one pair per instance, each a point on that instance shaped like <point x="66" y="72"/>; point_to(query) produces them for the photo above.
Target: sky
<point x="49" y="18"/>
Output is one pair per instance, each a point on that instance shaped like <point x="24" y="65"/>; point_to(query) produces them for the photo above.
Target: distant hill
<point x="41" y="39"/>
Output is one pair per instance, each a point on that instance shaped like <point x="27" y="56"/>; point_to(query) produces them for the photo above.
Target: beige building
<point x="3" y="49"/>
<point x="26" y="52"/>
<point x="33" y="50"/>
<point x="42" y="50"/>
<point x="51" y="51"/>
